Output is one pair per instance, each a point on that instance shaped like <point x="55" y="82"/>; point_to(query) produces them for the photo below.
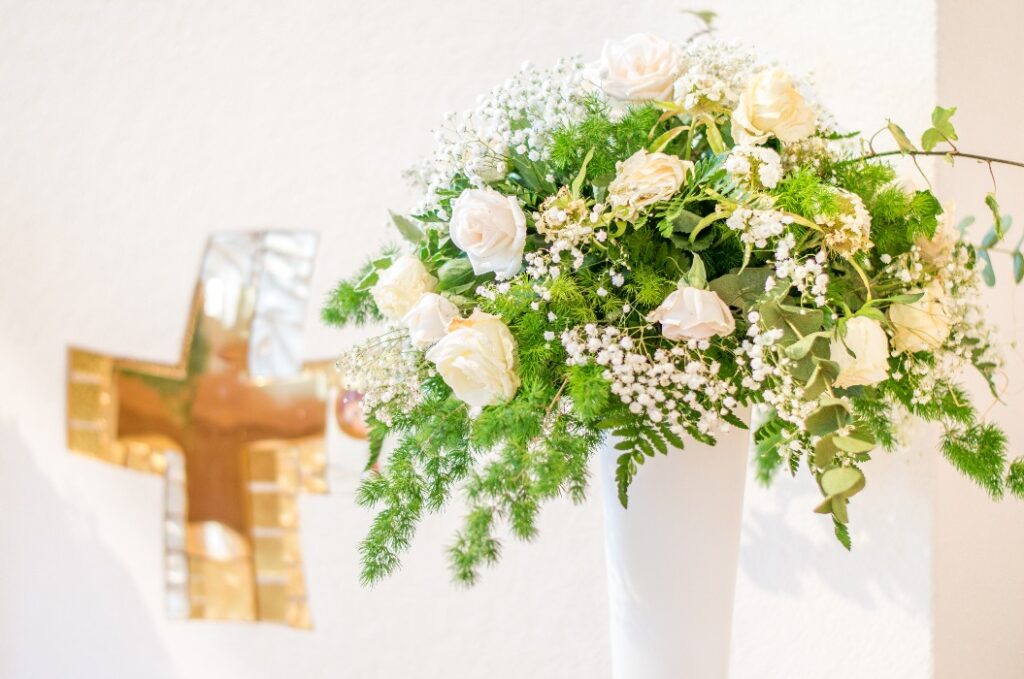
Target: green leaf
<point x="697" y="277"/>
<point x="825" y="451"/>
<point x="853" y="445"/>
<point x="902" y="140"/>
<point x="872" y="313"/>
<point x="706" y="16"/>
<point x="842" y="533"/>
<point x="581" y="176"/>
<point x="741" y="289"/>
<point x="802" y="347"/>
<point x="909" y="298"/>
<point x="993" y="206"/>
<point x="931" y="138"/>
<point x="833" y="414"/>
<point x="625" y="469"/>
<point x="988" y="274"/>
<point x="941" y="121"/>
<point x="839" y="483"/>
<point x="455" y="273"/>
<point x="1018" y="266"/>
<point x="664" y="139"/>
<point x="409" y="229"/>
<point x="715" y="140"/>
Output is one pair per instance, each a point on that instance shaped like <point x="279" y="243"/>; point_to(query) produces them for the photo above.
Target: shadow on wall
<point x="62" y="570"/>
<point x="790" y="551"/>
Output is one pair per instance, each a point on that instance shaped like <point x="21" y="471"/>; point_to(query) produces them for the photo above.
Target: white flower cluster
<point x="517" y="116"/>
<point x="388" y="371"/>
<point x="755" y="227"/>
<point x="715" y="74"/>
<point x="969" y="337"/>
<point x="678" y="386"/>
<point x="566" y="223"/>
<point x="755" y="166"/>
<point x="849" y="231"/>
<point x="810" y="153"/>
<point x="808" y="275"/>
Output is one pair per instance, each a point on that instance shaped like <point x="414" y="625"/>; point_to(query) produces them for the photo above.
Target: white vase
<point x="672" y="559"/>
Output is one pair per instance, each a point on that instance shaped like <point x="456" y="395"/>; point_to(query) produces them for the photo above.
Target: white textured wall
<point x="129" y="130"/>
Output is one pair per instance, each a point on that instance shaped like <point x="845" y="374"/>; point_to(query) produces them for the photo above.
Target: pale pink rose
<point x="690" y="313"/>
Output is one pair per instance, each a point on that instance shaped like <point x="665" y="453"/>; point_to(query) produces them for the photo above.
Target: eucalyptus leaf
<point x="965" y="224"/>
<point x="803" y="346"/>
<point x="853" y="445"/>
<point x="988" y="274"/>
<point x="830" y="416"/>
<point x="825" y="451"/>
<point x="1018" y="266"/>
<point x="741" y="289"/>
<point x="844" y="481"/>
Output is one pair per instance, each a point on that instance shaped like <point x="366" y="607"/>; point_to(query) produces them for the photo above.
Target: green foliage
<point x="589" y="391"/>
<point x="941" y="130"/>
<point x="1015" y="478"/>
<point x="806" y="194"/>
<point x="637" y="440"/>
<point x="610" y="141"/>
<point x="349" y="305"/>
<point x="767" y="459"/>
<point x="979" y="453"/>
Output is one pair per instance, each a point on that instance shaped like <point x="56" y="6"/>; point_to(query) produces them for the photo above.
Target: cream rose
<point x="771" y="105"/>
<point x="691" y="313"/>
<point x="869" y="362"/>
<point x="939" y="248"/>
<point x="427" y="321"/>
<point x="400" y="286"/>
<point x="923" y="325"/>
<point x="642" y="67"/>
<point x="491" y="229"/>
<point x="477" y="359"/>
<point x="645" y="178"/>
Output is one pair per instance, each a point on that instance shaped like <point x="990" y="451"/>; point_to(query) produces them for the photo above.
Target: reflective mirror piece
<point x="236" y="428"/>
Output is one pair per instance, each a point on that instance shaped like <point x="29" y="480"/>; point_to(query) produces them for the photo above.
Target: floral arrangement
<point x="640" y="250"/>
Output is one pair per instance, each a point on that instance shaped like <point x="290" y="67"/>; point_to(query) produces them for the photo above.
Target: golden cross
<point x="236" y="428"/>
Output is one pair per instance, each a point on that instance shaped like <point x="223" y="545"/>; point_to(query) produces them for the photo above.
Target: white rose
<point x="690" y="313"/>
<point x="491" y="229"/>
<point x="645" y="178"/>
<point x="923" y="325"/>
<point x="400" y="286"/>
<point x="427" y="321"/>
<point x="642" y="67"/>
<point x="477" y="359"/>
<point x="938" y="249"/>
<point x="771" y="105"/>
<point x="869" y="363"/>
